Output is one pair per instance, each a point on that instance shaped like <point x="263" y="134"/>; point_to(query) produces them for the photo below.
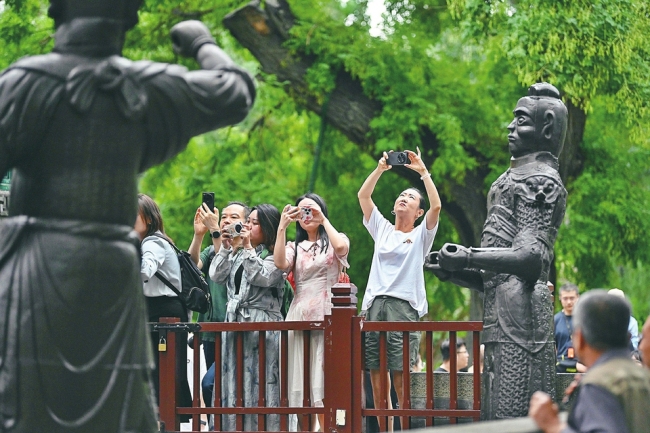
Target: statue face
<point x="522" y="137"/>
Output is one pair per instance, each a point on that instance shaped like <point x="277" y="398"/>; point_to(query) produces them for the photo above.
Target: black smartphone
<point x="398" y="158"/>
<point x="208" y="199"/>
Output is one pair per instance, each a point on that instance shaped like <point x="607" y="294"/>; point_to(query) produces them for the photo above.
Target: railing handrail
<point x="423" y="326"/>
<point x="261" y="326"/>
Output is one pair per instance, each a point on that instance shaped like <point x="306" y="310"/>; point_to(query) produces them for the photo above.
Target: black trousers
<point x="167" y="306"/>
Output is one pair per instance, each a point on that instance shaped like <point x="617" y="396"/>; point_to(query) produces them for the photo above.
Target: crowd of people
<point x="248" y="262"/>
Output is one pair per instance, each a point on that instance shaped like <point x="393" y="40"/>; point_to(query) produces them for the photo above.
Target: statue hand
<point x="432" y="264"/>
<point x="189" y="36"/>
<point x="454" y="257"/>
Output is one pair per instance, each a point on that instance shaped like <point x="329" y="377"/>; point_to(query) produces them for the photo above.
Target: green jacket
<point x="630" y="384"/>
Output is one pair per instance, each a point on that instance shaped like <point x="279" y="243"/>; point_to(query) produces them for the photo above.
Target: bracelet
<point x="424" y="176"/>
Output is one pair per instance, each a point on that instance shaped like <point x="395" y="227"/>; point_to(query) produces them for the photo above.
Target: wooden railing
<point x="429" y="412"/>
<point x="344" y="370"/>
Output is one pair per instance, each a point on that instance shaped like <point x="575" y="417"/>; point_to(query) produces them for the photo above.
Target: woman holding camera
<point x="158" y="257"/>
<point x="317" y="258"/>
<point x="395" y="290"/>
<point x="255" y="289"/>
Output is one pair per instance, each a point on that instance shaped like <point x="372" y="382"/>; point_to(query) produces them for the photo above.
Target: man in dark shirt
<point x="462" y="356"/>
<point x="566" y="359"/>
<point x="614" y="395"/>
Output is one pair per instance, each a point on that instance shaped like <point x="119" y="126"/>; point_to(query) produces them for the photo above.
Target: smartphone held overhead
<point x="208" y="199"/>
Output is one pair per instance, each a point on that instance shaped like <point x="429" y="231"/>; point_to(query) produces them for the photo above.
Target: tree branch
<point x="350" y="110"/>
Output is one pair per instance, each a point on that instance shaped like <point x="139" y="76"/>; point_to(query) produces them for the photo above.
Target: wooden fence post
<point x="167" y="386"/>
<point x="339" y="392"/>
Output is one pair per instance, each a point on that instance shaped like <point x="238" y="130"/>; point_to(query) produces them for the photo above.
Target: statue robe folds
<point x="77" y="130"/>
<point x="525" y="209"/>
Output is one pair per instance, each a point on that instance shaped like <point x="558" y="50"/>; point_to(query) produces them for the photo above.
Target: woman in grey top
<point x="159" y="256"/>
<point x="255" y="290"/>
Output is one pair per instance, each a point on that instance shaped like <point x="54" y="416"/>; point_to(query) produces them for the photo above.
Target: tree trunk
<point x="571" y="159"/>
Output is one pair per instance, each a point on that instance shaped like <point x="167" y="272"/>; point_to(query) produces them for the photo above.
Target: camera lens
<point x="401" y="158"/>
<point x="238" y="227"/>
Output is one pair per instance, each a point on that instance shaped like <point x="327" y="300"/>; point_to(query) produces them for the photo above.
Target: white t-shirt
<point x="397" y="263"/>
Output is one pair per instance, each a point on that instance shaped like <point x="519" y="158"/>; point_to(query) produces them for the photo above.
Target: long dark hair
<point x="301" y="234"/>
<point x="151" y="215"/>
<point x="268" y="217"/>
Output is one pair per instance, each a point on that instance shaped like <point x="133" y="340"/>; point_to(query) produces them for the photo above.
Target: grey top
<point x="262" y="284"/>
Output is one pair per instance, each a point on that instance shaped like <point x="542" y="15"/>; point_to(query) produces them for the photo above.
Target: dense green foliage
<point x="457" y="70"/>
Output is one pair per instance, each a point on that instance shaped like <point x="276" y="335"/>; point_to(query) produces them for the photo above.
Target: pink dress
<point x="314" y="274"/>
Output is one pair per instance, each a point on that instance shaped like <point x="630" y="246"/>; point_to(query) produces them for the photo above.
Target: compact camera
<point x="398" y="158"/>
<point x="234" y="230"/>
<point x="306" y="214"/>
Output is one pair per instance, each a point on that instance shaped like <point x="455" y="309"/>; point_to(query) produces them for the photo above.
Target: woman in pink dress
<point x="317" y="258"/>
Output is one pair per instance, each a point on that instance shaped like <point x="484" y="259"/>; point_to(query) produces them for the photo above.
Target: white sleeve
<point x="377" y="223"/>
<point x="428" y="236"/>
<point x="153" y="256"/>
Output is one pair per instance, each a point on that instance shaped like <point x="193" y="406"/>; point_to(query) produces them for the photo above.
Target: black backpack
<point x="195" y="292"/>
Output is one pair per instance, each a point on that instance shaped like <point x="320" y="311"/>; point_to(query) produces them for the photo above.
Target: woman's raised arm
<point x="365" y="193"/>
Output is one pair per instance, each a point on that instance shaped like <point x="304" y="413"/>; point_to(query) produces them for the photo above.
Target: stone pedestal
<point x="465" y="394"/>
<point x="441" y="395"/>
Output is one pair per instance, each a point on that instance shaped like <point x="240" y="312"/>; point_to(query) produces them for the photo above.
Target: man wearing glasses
<point x="462" y="356"/>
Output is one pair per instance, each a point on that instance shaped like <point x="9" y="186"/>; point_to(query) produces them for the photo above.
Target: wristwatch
<point x="215" y="234"/>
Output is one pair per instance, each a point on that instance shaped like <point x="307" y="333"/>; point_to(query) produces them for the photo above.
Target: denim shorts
<point x="390" y="309"/>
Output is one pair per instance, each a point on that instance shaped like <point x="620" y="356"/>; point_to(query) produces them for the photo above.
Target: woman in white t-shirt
<point x="395" y="290"/>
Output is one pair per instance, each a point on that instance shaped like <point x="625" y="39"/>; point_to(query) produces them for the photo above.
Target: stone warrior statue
<point x="525" y="208"/>
<point x="77" y="126"/>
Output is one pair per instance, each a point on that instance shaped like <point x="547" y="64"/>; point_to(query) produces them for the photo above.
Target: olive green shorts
<point x="390" y="309"/>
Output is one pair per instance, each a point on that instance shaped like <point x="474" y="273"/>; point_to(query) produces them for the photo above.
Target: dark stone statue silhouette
<point x="526" y="205"/>
<point x="77" y="126"/>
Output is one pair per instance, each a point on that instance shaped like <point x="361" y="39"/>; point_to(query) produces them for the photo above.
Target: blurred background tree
<point x="338" y="80"/>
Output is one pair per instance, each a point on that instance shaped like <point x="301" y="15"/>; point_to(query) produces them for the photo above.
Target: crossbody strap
<point x="167" y="283"/>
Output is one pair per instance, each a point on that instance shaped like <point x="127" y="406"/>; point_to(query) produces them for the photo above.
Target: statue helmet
<point x="63" y="11"/>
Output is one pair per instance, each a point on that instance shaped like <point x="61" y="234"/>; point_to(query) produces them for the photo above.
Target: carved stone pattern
<point x="534" y="215"/>
<point x="513" y="374"/>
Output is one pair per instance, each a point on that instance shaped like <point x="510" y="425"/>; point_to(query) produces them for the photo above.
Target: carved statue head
<point x="63" y="11"/>
<point x="540" y="122"/>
